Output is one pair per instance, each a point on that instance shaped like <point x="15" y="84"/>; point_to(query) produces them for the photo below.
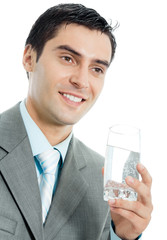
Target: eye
<point x="67" y="59"/>
<point x="98" y="70"/>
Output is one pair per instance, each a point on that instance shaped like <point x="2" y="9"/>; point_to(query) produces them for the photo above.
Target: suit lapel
<point x="70" y="191"/>
<point x="18" y="169"/>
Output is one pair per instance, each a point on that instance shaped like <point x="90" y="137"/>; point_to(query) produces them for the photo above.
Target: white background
<point x="134" y="91"/>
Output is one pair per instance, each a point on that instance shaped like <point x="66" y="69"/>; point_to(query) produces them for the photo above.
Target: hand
<point x="132" y="217"/>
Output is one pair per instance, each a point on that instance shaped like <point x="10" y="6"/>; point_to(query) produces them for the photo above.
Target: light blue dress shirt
<point x="38" y="141"/>
<point x="39" y="144"/>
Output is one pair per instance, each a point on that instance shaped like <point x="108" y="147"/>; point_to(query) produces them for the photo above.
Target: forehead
<point x="90" y="43"/>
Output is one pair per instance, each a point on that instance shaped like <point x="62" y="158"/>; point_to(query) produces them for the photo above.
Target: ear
<point x="29" y="58"/>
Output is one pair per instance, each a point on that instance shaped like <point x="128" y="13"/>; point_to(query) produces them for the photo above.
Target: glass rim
<point x="120" y="129"/>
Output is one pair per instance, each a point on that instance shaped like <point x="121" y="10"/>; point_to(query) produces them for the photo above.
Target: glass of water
<point x="122" y="156"/>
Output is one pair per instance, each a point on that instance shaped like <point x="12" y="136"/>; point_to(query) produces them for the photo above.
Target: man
<point x="67" y="54"/>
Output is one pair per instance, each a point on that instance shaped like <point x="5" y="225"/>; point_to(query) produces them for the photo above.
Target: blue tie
<point x="49" y="163"/>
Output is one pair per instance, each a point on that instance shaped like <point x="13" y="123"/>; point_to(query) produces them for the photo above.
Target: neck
<point x="55" y="133"/>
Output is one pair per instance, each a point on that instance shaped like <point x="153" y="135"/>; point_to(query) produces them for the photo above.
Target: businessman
<point x="51" y="184"/>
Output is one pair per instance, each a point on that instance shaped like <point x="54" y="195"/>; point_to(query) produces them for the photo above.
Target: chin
<point x="70" y="121"/>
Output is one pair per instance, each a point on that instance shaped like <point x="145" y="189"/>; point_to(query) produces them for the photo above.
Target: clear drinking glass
<point x="122" y="156"/>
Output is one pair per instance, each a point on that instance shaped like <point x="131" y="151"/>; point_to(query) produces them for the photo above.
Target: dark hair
<point x="47" y="25"/>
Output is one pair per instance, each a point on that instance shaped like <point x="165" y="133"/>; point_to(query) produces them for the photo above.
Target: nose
<point x="80" y="78"/>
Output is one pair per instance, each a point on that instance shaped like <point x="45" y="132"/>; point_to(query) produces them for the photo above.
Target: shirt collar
<point x="38" y="141"/>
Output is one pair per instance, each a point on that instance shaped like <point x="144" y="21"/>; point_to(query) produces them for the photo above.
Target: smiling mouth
<point x="73" y="98"/>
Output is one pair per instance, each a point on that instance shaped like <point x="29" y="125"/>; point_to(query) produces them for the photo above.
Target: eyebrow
<point x="71" y="50"/>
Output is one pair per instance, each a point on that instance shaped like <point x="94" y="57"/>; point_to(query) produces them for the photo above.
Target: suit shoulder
<point x="12" y="129"/>
<point x="89" y="153"/>
<point x="9" y="113"/>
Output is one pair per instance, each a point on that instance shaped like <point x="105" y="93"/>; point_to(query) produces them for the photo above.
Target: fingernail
<point x="112" y="201"/>
<point x="130" y="179"/>
<point x="141" y="166"/>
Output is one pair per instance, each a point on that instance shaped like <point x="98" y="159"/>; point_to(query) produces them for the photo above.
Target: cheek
<point x="44" y="80"/>
<point x="55" y="74"/>
<point x="39" y="86"/>
<point x="97" y="88"/>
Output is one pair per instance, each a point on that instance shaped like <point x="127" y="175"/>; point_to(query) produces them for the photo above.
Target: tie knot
<point x="49" y="160"/>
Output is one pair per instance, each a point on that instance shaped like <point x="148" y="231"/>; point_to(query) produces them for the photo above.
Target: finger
<point x="146" y="177"/>
<point x="144" y="193"/>
<point x="138" y="222"/>
<point x="103" y="171"/>
<point x="134" y="206"/>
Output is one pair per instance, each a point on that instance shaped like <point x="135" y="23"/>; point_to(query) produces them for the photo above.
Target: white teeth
<point x="72" y="98"/>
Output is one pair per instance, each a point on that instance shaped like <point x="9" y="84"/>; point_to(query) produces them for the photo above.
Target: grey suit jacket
<point x="78" y="211"/>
